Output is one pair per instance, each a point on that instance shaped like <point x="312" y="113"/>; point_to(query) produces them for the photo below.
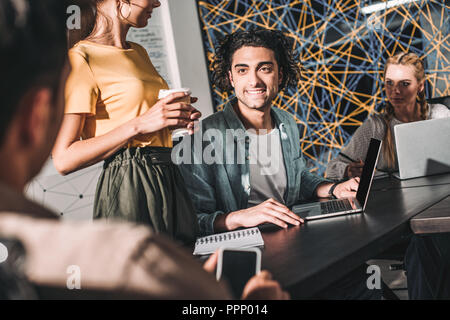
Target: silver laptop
<point x="423" y="148"/>
<point x="331" y="208"/>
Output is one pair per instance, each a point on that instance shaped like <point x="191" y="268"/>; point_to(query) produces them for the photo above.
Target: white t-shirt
<point x="267" y="171"/>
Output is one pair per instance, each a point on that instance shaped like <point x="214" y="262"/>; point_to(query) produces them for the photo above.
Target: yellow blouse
<point x="113" y="86"/>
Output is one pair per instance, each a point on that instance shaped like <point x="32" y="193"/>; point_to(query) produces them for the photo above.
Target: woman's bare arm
<point x="71" y="154"/>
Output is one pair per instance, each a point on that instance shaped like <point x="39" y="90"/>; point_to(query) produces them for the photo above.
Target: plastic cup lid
<point x="164" y="93"/>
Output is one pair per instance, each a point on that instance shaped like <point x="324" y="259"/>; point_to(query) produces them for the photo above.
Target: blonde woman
<point x="113" y="114"/>
<point x="404" y="78"/>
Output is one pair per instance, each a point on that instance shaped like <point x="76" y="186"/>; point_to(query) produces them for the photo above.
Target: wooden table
<point x="307" y="258"/>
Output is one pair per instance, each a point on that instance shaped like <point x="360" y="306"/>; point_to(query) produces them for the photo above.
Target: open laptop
<point x="331" y="208"/>
<point x="423" y="148"/>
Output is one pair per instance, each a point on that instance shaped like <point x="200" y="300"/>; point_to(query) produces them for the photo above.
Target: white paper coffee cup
<point x="166" y="92"/>
<point x="176" y="134"/>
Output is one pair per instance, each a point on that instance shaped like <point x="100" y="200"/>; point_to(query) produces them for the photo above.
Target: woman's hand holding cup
<point x="187" y="99"/>
<point x="173" y="111"/>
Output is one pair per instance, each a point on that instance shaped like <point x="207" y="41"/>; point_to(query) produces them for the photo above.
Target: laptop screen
<point x="433" y="156"/>
<point x="368" y="171"/>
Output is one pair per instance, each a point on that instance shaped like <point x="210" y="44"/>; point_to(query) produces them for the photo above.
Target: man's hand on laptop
<point x="347" y="189"/>
<point x="270" y="211"/>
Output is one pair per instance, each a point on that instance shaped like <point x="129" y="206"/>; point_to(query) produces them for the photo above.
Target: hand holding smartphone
<point x="237" y="266"/>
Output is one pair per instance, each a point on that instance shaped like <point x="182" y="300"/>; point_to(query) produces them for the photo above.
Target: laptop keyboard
<point x="335" y="206"/>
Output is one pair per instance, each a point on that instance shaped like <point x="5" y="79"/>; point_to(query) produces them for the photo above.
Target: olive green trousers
<point x="142" y="185"/>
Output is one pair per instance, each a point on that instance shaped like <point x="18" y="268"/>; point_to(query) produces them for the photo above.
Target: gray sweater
<point x="373" y="127"/>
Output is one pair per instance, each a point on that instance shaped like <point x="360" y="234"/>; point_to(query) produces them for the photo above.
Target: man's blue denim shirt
<point x="219" y="188"/>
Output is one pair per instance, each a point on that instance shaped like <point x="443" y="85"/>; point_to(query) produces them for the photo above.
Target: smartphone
<point x="237" y="266"/>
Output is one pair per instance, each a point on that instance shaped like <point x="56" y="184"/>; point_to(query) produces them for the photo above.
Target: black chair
<point x="395" y="252"/>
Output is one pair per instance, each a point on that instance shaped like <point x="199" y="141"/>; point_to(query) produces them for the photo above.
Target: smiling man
<point x="256" y="66"/>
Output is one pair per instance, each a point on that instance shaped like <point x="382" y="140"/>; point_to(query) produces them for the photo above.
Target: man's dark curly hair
<point x="274" y="40"/>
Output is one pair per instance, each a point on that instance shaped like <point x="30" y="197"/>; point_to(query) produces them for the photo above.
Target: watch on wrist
<point x="331" y="191"/>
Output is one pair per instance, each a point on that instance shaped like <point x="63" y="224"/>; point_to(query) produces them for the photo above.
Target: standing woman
<point x="113" y="114"/>
<point x="404" y="78"/>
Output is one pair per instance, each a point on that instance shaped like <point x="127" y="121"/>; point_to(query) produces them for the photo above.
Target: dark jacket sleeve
<point x="200" y="180"/>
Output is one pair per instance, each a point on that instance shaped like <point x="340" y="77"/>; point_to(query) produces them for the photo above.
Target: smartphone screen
<point x="238" y="267"/>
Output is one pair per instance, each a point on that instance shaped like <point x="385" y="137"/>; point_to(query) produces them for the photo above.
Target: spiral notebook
<point x="245" y="238"/>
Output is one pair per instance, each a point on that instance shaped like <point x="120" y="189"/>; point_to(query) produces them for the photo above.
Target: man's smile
<point x="256" y="91"/>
